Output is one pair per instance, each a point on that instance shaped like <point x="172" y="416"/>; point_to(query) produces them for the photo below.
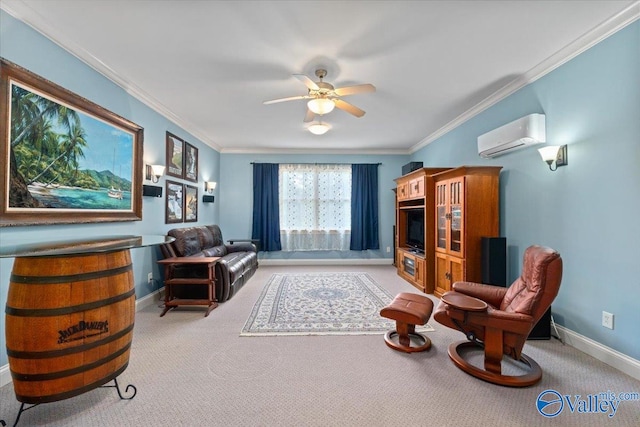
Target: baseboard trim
<point x="611" y="357"/>
<point x="348" y="261"/>
<point x="5" y="375"/>
<point x="147" y="300"/>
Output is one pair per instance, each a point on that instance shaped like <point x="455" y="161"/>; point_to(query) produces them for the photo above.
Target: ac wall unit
<point x="518" y="134"/>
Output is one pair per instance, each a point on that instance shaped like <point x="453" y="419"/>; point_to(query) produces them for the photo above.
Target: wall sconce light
<point x="209" y="186"/>
<point x="554" y="155"/>
<point x="154" y="172"/>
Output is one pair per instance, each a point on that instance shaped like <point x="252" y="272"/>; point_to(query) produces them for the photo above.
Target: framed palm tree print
<point x="64" y="158"/>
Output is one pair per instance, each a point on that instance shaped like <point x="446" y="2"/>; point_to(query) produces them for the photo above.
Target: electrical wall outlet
<point x="388" y="249"/>
<point x="150" y="278"/>
<point x="607" y="320"/>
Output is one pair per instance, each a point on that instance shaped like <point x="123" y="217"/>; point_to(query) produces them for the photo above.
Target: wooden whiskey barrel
<point x="69" y="323"/>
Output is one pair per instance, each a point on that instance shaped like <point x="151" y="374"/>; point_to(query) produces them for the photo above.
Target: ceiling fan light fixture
<point x="318" y="128"/>
<point x="321" y="105"/>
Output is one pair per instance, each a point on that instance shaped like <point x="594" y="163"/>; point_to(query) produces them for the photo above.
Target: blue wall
<point x="585" y="210"/>
<point x="29" y="49"/>
<point x="237" y="198"/>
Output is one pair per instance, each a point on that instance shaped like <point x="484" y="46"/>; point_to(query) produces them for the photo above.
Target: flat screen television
<point x="415" y="229"/>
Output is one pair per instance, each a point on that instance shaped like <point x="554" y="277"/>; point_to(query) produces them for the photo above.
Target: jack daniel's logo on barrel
<point x="90" y="329"/>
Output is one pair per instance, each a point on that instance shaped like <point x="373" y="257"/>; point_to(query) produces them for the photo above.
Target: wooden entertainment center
<point x="441" y="216"/>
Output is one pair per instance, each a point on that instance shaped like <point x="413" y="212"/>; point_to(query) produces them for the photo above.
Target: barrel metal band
<point x="81" y="277"/>
<point x="67" y="373"/>
<point x="71" y="393"/>
<point x="66" y="351"/>
<point x="47" y="312"/>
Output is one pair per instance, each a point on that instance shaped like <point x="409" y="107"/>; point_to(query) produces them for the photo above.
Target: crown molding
<point x="612" y="25"/>
<point x="32" y="18"/>
<point x="387" y="152"/>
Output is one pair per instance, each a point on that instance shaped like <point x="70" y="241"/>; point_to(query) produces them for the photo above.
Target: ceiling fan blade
<point x="352" y="90"/>
<point x="307" y="81"/>
<point x="309" y="116"/>
<point x="291" y="98"/>
<point x="351" y="109"/>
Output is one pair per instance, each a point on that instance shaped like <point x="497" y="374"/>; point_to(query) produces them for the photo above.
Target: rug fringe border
<point x="422" y="328"/>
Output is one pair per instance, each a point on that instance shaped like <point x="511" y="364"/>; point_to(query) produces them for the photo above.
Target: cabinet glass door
<point x="441" y="216"/>
<point x="456" y="221"/>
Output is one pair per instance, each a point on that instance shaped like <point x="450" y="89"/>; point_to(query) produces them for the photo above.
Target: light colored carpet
<point x="192" y="370"/>
<point x="339" y="303"/>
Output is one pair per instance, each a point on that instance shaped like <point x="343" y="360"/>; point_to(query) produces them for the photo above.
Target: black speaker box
<point x="494" y="272"/>
<point x="494" y="261"/>
<point x="410" y="167"/>
<point x="152" y="191"/>
<point x="542" y="330"/>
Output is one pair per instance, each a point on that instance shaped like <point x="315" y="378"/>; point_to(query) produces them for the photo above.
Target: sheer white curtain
<point x="315" y="207"/>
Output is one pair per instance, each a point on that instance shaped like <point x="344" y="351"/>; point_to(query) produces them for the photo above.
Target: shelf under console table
<point x="171" y="301"/>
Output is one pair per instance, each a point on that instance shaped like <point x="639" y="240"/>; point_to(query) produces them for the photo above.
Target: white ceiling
<point x="209" y="65"/>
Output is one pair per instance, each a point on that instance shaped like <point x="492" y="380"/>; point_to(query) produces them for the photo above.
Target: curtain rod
<point x="320" y="163"/>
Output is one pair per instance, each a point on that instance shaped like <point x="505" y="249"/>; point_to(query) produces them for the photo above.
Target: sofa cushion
<point x="187" y="241"/>
<point x="219" y="251"/>
<point x="216" y="235"/>
<point x="206" y="238"/>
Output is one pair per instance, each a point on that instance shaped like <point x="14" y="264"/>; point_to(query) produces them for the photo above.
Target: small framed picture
<point x="174" y="211"/>
<point x="175" y="156"/>
<point x="190" y="203"/>
<point x="190" y="162"/>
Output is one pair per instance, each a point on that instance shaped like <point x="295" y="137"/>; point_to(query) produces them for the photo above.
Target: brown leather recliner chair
<point x="499" y="319"/>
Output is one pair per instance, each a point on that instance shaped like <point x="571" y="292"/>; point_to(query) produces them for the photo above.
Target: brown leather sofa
<point x="238" y="262"/>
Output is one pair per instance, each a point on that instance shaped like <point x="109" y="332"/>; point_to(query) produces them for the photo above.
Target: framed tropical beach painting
<point x="64" y="158"/>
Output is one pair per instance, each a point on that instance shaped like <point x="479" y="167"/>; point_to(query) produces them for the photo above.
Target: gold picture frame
<point x="65" y="159"/>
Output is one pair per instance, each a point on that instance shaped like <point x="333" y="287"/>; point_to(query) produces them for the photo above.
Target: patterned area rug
<point x="320" y="304"/>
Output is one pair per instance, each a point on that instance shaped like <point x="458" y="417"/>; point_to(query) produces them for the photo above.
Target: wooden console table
<point x="69" y="315"/>
<point x="171" y="301"/>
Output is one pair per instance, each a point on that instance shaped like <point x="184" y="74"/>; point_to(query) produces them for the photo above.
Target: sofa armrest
<point x="241" y="246"/>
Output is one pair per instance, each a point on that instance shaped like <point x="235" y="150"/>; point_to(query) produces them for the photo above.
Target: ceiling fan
<point x="323" y="97"/>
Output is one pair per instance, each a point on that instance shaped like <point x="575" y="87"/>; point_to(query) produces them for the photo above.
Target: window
<point x="315" y="207"/>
